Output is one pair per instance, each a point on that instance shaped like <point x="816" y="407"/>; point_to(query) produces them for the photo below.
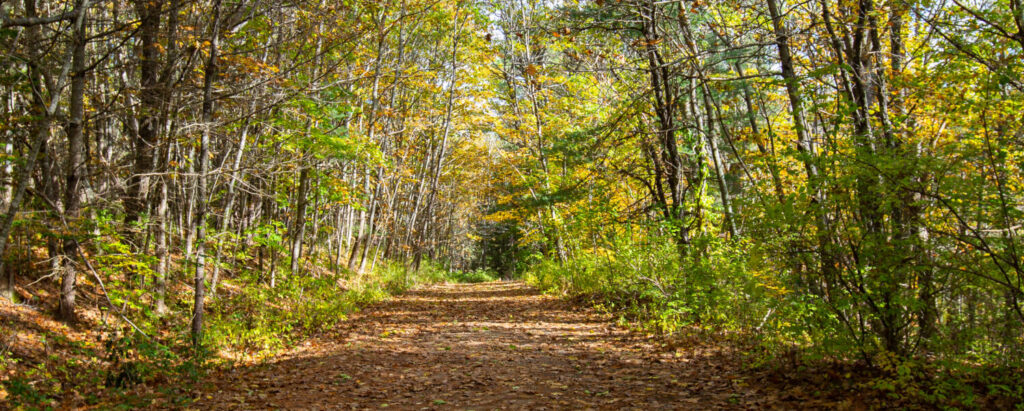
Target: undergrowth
<point x="722" y="290"/>
<point x="473" y="276"/>
<point x="248" y="320"/>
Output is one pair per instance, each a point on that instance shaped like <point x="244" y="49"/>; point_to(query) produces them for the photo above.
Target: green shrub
<point x="474" y="276"/>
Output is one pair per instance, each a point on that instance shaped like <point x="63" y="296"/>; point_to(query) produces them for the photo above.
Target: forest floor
<point x="497" y="345"/>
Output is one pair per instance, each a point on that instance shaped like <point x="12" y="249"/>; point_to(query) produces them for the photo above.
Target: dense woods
<point x="836" y="181"/>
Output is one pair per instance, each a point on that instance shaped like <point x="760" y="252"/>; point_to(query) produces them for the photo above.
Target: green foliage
<point x="260" y="320"/>
<point x="35" y="388"/>
<point x="257" y="321"/>
<point x="133" y="358"/>
<point x="42" y="384"/>
<point x="719" y="286"/>
<point x="472" y="276"/>
<point x="269" y="235"/>
<point x="710" y="289"/>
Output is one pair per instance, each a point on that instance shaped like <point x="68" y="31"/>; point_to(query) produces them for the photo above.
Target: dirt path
<point x="495" y="345"/>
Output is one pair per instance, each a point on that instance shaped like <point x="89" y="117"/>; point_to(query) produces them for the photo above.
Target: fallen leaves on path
<point x="498" y="345"/>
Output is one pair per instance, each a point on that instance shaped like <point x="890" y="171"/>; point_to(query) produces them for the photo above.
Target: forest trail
<point x="498" y="345"/>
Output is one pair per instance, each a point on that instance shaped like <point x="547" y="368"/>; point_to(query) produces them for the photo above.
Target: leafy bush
<point x="649" y="282"/>
<point x="473" y="276"/>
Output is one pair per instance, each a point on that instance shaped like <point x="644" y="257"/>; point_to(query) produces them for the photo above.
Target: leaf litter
<point x="497" y="345"/>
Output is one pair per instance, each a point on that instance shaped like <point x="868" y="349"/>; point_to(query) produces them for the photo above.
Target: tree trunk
<point x="352" y="263"/>
<point x="229" y="204"/>
<point x="299" y="224"/>
<point x="162" y="255"/>
<point x="716" y="160"/>
<point x="804" y="146"/>
<point x="204" y="166"/>
<point x="145" y="140"/>
<point x="44" y="113"/>
<point x="75" y="166"/>
<point x="42" y="133"/>
<point x="664" y="94"/>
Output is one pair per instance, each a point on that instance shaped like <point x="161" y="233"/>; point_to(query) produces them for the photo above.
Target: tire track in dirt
<point x="498" y="345"/>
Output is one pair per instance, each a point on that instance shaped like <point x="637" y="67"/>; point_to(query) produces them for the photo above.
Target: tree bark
<point x="716" y="160"/>
<point x="804" y="146"/>
<point x="209" y="77"/>
<point x="45" y="112"/>
<point x="145" y="139"/>
<point x="75" y="165"/>
<point x="299" y="224"/>
<point x="228" y="206"/>
<point x="664" y="94"/>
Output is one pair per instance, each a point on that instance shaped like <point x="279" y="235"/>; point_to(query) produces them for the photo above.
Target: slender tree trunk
<point x="209" y="78"/>
<point x="229" y="204"/>
<point x="804" y="146"/>
<point x="44" y="113"/>
<point x="716" y="159"/>
<point x="352" y="263"/>
<point x="664" y="94"/>
<point x="339" y="237"/>
<point x="367" y="239"/>
<point x="162" y="227"/>
<point x="75" y="166"/>
<point x="41" y="134"/>
<point x="162" y="255"/>
<point x="299" y="224"/>
<point x="145" y="140"/>
<point x="439" y="164"/>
